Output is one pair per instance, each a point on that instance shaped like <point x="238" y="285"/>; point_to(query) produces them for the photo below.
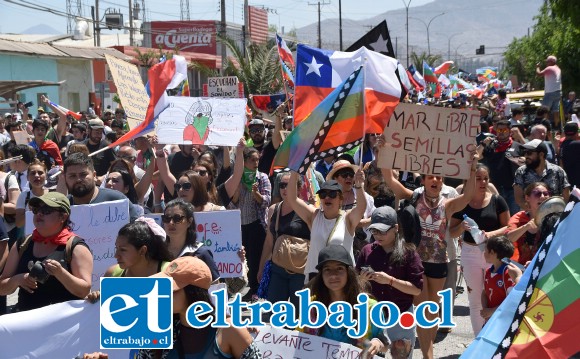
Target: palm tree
<point x="432" y="60"/>
<point x="258" y="70"/>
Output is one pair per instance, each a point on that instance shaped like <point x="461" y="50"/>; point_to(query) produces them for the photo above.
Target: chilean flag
<point x="417" y="77"/>
<point x="284" y="51"/>
<point x="319" y="71"/>
<point x="162" y="76"/>
<point x="77" y="116"/>
<point x="443" y="68"/>
<point x="268" y="102"/>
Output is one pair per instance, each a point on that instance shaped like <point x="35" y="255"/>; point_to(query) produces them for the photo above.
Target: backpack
<point x="23" y="243"/>
<point x="9" y="218"/>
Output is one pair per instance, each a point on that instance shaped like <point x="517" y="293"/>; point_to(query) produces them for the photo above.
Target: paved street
<point x="453" y="344"/>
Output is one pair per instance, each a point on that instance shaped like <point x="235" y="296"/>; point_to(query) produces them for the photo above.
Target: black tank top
<point x="52" y="291"/>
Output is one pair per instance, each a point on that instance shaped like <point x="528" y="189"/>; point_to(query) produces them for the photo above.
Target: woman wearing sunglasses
<point x="180" y="228"/>
<point x="329" y="224"/>
<point x="522" y="230"/>
<point x="206" y="171"/>
<point x="491" y="213"/>
<point x="68" y="271"/>
<point x="395" y="272"/>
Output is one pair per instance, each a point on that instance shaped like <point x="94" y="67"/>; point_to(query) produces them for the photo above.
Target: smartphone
<point x="367" y="269"/>
<point x="506" y="260"/>
<point x="29" y="104"/>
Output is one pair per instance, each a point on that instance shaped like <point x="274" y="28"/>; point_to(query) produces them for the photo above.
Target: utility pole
<point x="407" y="27"/>
<point x="130" y="23"/>
<point x="98" y="24"/>
<point x="319" y="30"/>
<point x="246" y="24"/>
<point x="223" y="30"/>
<point x="340" y="23"/>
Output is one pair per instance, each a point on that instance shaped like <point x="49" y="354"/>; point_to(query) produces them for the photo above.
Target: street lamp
<point x="407" y="27"/>
<point x="427" y="25"/>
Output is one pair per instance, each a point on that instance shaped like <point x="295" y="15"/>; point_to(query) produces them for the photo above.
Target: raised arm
<point x="233" y="182"/>
<point x="397" y="187"/>
<point x="304" y="211"/>
<point x="166" y="176"/>
<point x="61" y="126"/>
<point x="458" y="203"/>
<point x="355" y="215"/>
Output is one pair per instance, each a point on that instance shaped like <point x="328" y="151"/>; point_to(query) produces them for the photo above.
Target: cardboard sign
<point x="430" y="140"/>
<point x="275" y="343"/>
<point x="98" y="224"/>
<point x="202" y="121"/>
<point x="221" y="232"/>
<point x="130" y="88"/>
<point x="21" y="137"/>
<point x="227" y="87"/>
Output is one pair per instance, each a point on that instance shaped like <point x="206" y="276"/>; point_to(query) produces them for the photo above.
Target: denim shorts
<point x="397" y="332"/>
<point x="552" y="100"/>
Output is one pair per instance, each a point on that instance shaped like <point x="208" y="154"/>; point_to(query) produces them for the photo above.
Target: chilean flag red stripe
<point x="165" y="75"/>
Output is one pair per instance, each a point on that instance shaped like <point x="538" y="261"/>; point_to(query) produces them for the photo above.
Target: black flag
<point x="378" y="39"/>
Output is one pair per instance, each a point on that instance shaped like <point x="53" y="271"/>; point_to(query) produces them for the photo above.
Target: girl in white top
<point x="328" y="225"/>
<point x="36" y="180"/>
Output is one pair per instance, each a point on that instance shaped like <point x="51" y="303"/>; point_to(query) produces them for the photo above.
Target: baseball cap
<point x="536" y="145"/>
<point x="333" y="252"/>
<point x="187" y="271"/>
<point x="96" y="123"/>
<point x="7" y="114"/>
<point x="53" y="200"/>
<point x="571" y="128"/>
<point x="331" y="185"/>
<point x="383" y="218"/>
<point x="256" y="122"/>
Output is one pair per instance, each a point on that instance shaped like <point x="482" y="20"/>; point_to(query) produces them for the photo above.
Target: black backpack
<point x="409" y="220"/>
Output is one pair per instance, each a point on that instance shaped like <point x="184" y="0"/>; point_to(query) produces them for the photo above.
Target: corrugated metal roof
<point x="45" y="49"/>
<point x="29" y="48"/>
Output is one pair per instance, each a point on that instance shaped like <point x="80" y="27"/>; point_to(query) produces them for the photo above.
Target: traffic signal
<point x="481" y="50"/>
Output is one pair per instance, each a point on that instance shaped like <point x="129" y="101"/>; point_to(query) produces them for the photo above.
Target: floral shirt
<point x="433" y="246"/>
<point x="553" y="176"/>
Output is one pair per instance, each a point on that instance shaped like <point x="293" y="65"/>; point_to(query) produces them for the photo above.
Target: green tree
<point x="432" y="60"/>
<point x="554" y="34"/>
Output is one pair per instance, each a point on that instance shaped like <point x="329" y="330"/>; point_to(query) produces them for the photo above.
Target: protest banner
<point x="21" y="137"/>
<point x="130" y="88"/>
<point x="202" y="121"/>
<point x="221" y="232"/>
<point x="430" y="140"/>
<point x="277" y="343"/>
<point x="98" y="224"/>
<point x="227" y="87"/>
<point x="63" y="330"/>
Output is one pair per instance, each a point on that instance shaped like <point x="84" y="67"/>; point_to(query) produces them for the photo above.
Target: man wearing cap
<point x="540" y="132"/>
<point x="552" y="86"/>
<point x="47" y="151"/>
<point x="570" y="153"/>
<point x="267" y="150"/>
<point x="537" y="169"/>
<point x="95" y="142"/>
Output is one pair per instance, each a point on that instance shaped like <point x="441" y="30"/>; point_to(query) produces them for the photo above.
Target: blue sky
<point x="288" y="13"/>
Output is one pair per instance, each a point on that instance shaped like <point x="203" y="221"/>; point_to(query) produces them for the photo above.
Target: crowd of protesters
<point x="355" y="235"/>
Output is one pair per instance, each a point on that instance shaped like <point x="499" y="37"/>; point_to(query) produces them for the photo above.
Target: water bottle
<point x="474" y="230"/>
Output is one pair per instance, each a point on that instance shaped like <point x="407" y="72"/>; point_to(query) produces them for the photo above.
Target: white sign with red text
<point x="221" y="232"/>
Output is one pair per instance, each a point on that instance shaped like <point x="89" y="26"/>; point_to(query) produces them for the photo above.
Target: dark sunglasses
<point x="202" y="172"/>
<point x="186" y="186"/>
<point x="283" y="185"/>
<point x="375" y="231"/>
<point x="256" y="130"/>
<point x="538" y="194"/>
<point x="176" y="218"/>
<point x="331" y="194"/>
<point x="346" y="174"/>
<point x="45" y="210"/>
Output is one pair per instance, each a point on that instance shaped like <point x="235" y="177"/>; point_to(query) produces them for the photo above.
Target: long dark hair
<point x="138" y="235"/>
<point x="200" y="194"/>
<point x="187" y="208"/>
<point x="355" y="285"/>
<point x="128" y="182"/>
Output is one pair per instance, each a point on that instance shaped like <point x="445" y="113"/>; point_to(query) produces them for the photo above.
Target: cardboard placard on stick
<point x="430" y="140"/>
<point x="130" y="88"/>
<point x="21" y="137"/>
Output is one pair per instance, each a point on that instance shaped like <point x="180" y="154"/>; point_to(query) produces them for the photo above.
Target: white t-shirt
<point x="22" y="199"/>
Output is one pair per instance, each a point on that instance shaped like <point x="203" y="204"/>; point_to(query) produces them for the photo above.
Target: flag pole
<point x="361" y="148"/>
<point x="284" y="82"/>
